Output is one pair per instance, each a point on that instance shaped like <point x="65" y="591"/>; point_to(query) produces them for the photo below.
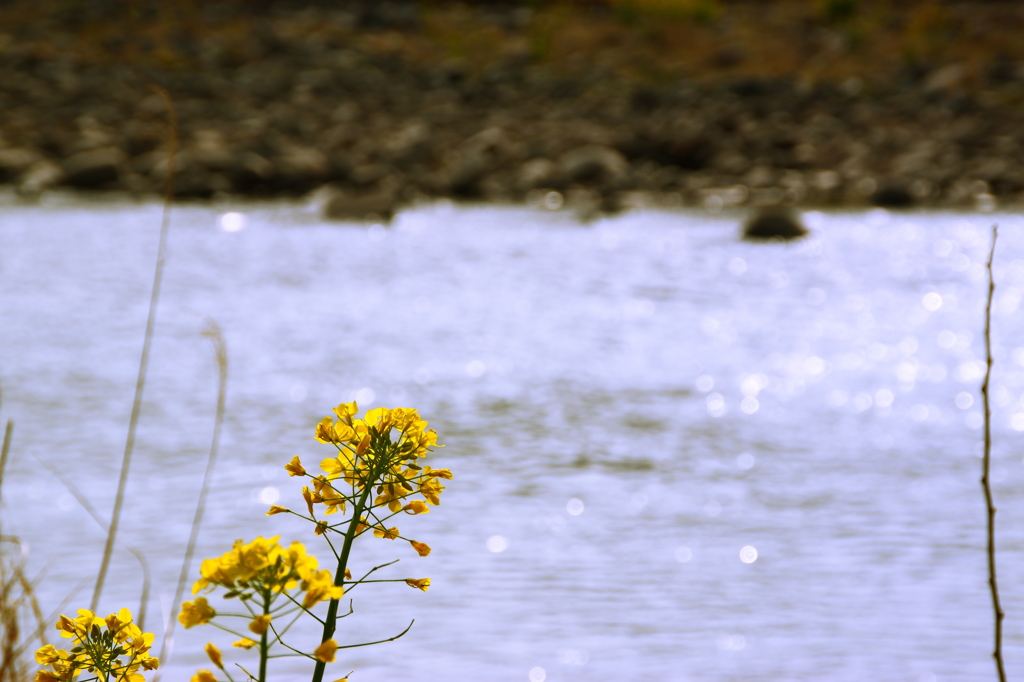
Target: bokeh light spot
<point x="232" y="222"/>
<point x="932" y="301"/>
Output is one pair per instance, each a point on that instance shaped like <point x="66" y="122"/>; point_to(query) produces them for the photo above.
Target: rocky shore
<point x="371" y="127"/>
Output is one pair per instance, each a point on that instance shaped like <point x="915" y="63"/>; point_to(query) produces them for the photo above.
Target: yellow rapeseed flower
<point x="325" y="430"/>
<point x="416" y="507"/>
<point x="418" y="583"/>
<point x="346" y="411"/>
<point x="196" y="612"/>
<point x="50" y="654"/>
<point x="214" y="653"/>
<point x="260" y="624"/>
<point x="319" y="586"/>
<point x="203" y="676"/>
<point x="386" y="533"/>
<point x="430" y="488"/>
<point x="421" y="548"/>
<point x="274" y="509"/>
<point x="294" y="467"/>
<point x="325" y="652"/>
<point x="244" y="643"/>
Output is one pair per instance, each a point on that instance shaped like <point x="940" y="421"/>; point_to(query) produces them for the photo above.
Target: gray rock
<point x="892" y="195"/>
<point x="539" y="172"/>
<point x="379" y="204"/>
<point x="594" y="163"/>
<point x="14" y="161"/>
<point x="773" y="225"/>
<point x="39" y="176"/>
<point x="946" y="78"/>
<point x="93" y="168"/>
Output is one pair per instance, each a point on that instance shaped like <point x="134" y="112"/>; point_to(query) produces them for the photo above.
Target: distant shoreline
<point x="284" y="105"/>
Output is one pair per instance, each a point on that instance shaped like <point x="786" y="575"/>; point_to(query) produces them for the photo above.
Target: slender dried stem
<point x="997" y="608"/>
<point x="140" y="383"/>
<point x="140" y="617"/>
<point x="6" y="450"/>
<point x="212" y="332"/>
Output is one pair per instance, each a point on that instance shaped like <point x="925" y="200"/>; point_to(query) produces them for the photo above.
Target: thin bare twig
<point x="140" y="383"/>
<point x="140" y="618"/>
<point x="997" y="608"/>
<point x="220" y="349"/>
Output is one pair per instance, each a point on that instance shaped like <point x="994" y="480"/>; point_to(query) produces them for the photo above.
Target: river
<point x="677" y="456"/>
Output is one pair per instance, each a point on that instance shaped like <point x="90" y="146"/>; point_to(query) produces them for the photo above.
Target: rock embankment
<point x="380" y="128"/>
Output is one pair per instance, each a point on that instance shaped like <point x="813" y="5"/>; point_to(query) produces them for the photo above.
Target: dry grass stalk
<point x="140" y="618"/>
<point x="146" y="343"/>
<point x="220" y="349"/>
<point x="16" y="596"/>
<point x="997" y="608"/>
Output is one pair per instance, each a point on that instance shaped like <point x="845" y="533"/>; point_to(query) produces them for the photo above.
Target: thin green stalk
<point x="264" y="644"/>
<point x="990" y="508"/>
<point x="339" y="576"/>
<point x="147" y="341"/>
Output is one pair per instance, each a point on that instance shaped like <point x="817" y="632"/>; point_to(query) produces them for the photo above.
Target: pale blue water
<point x="588" y="381"/>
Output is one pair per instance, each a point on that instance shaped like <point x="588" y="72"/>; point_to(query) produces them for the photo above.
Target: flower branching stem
<point x="339" y="576"/>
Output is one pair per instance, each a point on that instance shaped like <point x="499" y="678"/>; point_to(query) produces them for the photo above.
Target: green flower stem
<point x="339" y="576"/>
<point x="264" y="644"/>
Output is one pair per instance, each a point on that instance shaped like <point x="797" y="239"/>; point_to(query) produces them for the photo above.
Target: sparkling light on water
<point x="716" y="404"/>
<point x="269" y="495"/>
<point x="232" y="222"/>
<point x="931" y="301"/>
<point x="748" y="555"/>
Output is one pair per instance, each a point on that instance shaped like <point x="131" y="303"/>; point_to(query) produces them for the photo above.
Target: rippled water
<point x="626" y="406"/>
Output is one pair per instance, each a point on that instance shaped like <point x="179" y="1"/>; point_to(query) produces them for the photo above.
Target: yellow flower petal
<point x="214" y="653"/>
<point x="196" y="612"/>
<point x="294" y="467"/>
<point x="416" y="507"/>
<point x="325" y="652"/>
<point x="260" y="624"/>
<point x="418" y="583"/>
<point x="274" y="509"/>
<point x="421" y="548"/>
<point x="244" y="643"/>
<point x="203" y="676"/>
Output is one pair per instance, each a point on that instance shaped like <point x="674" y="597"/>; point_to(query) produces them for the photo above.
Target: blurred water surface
<point x="627" y="405"/>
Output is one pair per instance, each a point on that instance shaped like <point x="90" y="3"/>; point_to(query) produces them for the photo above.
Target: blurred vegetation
<point x="649" y="40"/>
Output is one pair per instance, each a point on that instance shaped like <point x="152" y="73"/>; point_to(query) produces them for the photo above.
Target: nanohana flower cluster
<point x="374" y="473"/>
<point x="111" y="648"/>
<point x="261" y="566"/>
<point x="378" y="452"/>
